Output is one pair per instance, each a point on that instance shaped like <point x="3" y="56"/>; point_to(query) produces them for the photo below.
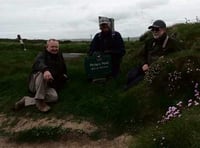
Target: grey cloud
<point x="151" y="3"/>
<point x="78" y="18"/>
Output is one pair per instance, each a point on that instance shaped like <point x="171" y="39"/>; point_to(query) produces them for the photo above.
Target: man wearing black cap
<point x="157" y="47"/>
<point x="160" y="45"/>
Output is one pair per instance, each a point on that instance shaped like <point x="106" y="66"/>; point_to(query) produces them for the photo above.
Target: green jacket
<point x="156" y="48"/>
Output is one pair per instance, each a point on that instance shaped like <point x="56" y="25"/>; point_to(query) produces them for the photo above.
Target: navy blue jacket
<point x="111" y="42"/>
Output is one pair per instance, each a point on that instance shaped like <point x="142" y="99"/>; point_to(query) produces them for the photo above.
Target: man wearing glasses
<point x="157" y="47"/>
<point x="161" y="44"/>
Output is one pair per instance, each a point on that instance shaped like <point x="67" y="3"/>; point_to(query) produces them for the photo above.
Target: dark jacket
<point x="53" y="63"/>
<point x="111" y="42"/>
<point x="156" y="48"/>
<point x="153" y="50"/>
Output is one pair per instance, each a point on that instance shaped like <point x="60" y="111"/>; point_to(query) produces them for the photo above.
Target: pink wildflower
<point x="190" y="101"/>
<point x="189" y="104"/>
<point x="196" y="103"/>
<point x="173" y="109"/>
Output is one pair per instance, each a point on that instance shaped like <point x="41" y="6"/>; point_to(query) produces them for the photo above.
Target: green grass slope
<point x="170" y="80"/>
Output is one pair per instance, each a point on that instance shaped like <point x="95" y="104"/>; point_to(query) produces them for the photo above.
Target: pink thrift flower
<point x="170" y="116"/>
<point x="189" y="104"/>
<point x="196" y="103"/>
<point x="196" y="85"/>
<point x="190" y="100"/>
<point x="196" y="94"/>
<point x="180" y="104"/>
<point x="173" y="109"/>
<point x="177" y="112"/>
<point x="167" y="113"/>
<point x="166" y="118"/>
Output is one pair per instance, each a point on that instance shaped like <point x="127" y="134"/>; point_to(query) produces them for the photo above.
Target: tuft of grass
<point x="40" y="134"/>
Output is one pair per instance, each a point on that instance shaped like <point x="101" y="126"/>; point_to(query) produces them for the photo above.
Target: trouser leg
<point x="51" y="95"/>
<point x="134" y="76"/>
<point x="42" y="92"/>
<point x="40" y="86"/>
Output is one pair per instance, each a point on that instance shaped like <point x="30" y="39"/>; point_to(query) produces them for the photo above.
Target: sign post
<point x="98" y="66"/>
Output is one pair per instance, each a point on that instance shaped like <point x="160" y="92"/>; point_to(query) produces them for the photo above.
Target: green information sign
<point x="98" y="66"/>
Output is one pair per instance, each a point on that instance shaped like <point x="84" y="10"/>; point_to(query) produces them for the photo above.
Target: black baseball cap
<point x="158" y="24"/>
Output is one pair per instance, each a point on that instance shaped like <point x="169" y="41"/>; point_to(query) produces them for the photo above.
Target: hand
<point x="65" y="76"/>
<point x="145" y="67"/>
<point x="161" y="57"/>
<point x="47" y="76"/>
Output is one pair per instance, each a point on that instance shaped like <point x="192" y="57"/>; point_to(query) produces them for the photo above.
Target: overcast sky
<point x="71" y="19"/>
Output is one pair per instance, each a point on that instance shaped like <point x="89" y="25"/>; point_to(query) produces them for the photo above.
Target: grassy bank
<point x="107" y="104"/>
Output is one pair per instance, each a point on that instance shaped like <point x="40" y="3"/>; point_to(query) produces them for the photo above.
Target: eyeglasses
<point x="155" y="29"/>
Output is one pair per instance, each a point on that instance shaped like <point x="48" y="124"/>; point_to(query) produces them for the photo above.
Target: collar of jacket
<point x="106" y="34"/>
<point x="162" y="40"/>
<point x="50" y="54"/>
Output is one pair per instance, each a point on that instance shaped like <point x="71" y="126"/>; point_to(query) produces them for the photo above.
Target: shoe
<point x="20" y="104"/>
<point x="42" y="106"/>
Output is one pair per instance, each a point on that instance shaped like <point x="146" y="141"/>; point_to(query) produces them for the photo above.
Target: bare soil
<point x="74" y="140"/>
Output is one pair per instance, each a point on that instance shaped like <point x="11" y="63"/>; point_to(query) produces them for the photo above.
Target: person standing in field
<point x="108" y="42"/>
<point x="47" y="77"/>
<point x="21" y="42"/>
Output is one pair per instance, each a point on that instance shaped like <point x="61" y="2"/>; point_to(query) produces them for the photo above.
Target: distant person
<point x="157" y="47"/>
<point x="48" y="76"/>
<point x="21" y="42"/>
<point x="108" y="42"/>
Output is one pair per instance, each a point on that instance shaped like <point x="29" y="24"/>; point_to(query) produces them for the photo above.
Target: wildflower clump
<point x="174" y="77"/>
<point x="156" y="69"/>
<point x="175" y="111"/>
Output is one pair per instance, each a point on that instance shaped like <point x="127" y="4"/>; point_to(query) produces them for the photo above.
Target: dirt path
<point x="119" y="142"/>
<point x="13" y="124"/>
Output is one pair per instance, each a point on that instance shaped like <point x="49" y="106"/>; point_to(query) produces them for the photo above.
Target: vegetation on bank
<point x="137" y="110"/>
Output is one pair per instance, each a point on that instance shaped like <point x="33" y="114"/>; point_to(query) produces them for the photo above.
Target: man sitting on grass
<point x="155" y="48"/>
<point x="48" y="75"/>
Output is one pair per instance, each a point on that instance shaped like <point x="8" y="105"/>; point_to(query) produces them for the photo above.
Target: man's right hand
<point x="47" y="76"/>
<point x="145" y="67"/>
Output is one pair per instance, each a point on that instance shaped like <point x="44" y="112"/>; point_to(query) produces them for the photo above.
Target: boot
<point x="42" y="106"/>
<point x="20" y="104"/>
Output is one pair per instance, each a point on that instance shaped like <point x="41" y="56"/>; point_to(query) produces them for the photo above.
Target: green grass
<point x="105" y="104"/>
<point x="38" y="45"/>
<point x="79" y="97"/>
<point x="180" y="132"/>
<point x="40" y="134"/>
